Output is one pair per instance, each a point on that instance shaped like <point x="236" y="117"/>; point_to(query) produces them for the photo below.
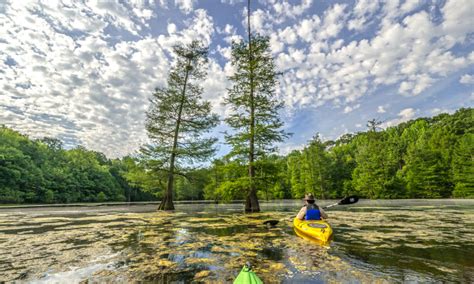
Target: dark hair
<point x="310" y="201"/>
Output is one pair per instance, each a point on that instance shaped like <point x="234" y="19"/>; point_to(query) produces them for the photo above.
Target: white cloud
<point x="283" y="9"/>
<point x="288" y="35"/>
<point x="229" y="29"/>
<point x="409" y="52"/>
<point x="260" y="21"/>
<point x="113" y="12"/>
<point x="171" y="28"/>
<point x="437" y="111"/>
<point x="362" y="11"/>
<point x="458" y="21"/>
<point x="85" y="71"/>
<point x="403" y="116"/>
<point x="287" y="148"/>
<point x="348" y="109"/>
<point x="409" y="5"/>
<point x="79" y="85"/>
<point x="263" y="21"/>
<point x="334" y="21"/>
<point x="407" y="113"/>
<point x="307" y="28"/>
<point x="467" y="79"/>
<point x="186" y="6"/>
<point x="215" y="87"/>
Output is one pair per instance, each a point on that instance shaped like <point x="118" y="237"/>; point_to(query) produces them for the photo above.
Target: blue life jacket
<point x="312" y="212"/>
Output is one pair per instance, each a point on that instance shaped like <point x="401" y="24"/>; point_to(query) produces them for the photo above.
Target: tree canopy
<point x="422" y="158"/>
<point x="177" y="119"/>
<point x="41" y="171"/>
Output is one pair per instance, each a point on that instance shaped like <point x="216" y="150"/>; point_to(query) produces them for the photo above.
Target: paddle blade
<point x="271" y="222"/>
<point x="349" y="200"/>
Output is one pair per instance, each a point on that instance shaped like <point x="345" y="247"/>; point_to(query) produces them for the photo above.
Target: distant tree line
<point x="42" y="171"/>
<point x="422" y="158"/>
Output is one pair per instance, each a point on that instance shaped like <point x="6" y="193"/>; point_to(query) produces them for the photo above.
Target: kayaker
<point x="311" y="211"/>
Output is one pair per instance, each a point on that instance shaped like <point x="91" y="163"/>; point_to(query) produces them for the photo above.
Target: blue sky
<point x="83" y="71"/>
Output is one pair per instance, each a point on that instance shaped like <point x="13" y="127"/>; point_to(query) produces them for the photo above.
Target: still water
<point x="374" y="241"/>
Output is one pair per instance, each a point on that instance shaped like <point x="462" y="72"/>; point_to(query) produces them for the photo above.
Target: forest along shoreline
<point x="134" y="203"/>
<point x="422" y="158"/>
<point x="361" y="203"/>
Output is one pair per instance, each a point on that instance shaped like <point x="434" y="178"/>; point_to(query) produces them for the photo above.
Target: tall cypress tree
<point x="254" y="105"/>
<point x="178" y="117"/>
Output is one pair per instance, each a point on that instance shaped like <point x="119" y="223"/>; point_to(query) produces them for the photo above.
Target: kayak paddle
<point x="345" y="201"/>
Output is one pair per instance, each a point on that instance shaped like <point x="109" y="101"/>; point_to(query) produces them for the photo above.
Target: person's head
<point x="309" y="198"/>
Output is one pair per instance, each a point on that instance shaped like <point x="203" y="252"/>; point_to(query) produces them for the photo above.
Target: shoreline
<point x="181" y="202"/>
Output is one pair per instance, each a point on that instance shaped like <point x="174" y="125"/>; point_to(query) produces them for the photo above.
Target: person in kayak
<point x="311" y="211"/>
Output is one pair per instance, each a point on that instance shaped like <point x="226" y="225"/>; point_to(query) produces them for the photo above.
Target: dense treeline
<point x="422" y="158"/>
<point x="41" y="171"/>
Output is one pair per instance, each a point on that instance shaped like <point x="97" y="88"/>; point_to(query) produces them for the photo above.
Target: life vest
<point x="312" y="212"/>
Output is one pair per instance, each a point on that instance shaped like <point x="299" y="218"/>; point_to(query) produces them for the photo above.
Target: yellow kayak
<point x="318" y="231"/>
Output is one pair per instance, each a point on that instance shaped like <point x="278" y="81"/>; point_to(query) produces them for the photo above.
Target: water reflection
<point x="420" y="241"/>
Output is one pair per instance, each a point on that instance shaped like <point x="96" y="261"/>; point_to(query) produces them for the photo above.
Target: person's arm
<point x="323" y="214"/>
<point x="302" y="213"/>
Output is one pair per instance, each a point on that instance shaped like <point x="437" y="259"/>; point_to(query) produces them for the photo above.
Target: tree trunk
<point x="167" y="201"/>
<point x="251" y="203"/>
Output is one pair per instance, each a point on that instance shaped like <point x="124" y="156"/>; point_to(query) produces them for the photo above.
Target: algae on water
<point x="372" y="244"/>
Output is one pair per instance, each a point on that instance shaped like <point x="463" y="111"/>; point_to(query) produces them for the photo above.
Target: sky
<point x="83" y="71"/>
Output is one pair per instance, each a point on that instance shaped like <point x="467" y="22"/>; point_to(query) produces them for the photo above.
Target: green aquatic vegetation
<point x="372" y="246"/>
<point x="202" y="274"/>
<point x="195" y="260"/>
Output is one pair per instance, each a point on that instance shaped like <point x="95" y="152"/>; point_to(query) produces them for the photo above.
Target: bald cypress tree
<point x="254" y="107"/>
<point x="177" y="118"/>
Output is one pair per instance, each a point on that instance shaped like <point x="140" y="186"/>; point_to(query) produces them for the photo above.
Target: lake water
<point x="374" y="241"/>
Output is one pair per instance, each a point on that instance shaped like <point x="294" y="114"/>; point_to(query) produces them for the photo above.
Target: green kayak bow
<point x="247" y="276"/>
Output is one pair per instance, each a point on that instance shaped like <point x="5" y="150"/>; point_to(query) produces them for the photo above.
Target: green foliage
<point x="136" y="174"/>
<point x="41" y="171"/>
<point x="101" y="197"/>
<point x="463" y="167"/>
<point x="376" y="165"/>
<point x="253" y="101"/>
<point x="317" y="168"/>
<point x="18" y="171"/>
<point x="178" y="118"/>
<point x="49" y="196"/>
<point x="192" y="186"/>
<point x="294" y="173"/>
<point x="423" y="158"/>
<point x="254" y="109"/>
<point x="427" y="169"/>
<point x="231" y="190"/>
<point x="342" y="164"/>
<point x="228" y="179"/>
